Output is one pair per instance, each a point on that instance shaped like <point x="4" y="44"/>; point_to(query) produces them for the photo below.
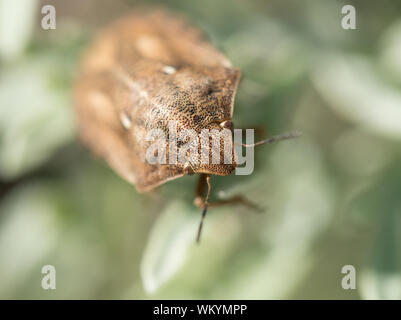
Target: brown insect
<point x="141" y="72"/>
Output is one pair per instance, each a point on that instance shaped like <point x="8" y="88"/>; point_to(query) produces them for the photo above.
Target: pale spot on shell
<point x="150" y="47"/>
<point x="99" y="103"/>
<point x="169" y="70"/>
<point x="125" y="78"/>
<point x="102" y="55"/>
<point x="99" y="100"/>
<point x="126" y="122"/>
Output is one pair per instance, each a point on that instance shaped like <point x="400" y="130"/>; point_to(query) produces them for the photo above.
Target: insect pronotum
<point x="140" y="73"/>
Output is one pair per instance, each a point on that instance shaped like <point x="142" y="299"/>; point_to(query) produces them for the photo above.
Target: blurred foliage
<point x="331" y="198"/>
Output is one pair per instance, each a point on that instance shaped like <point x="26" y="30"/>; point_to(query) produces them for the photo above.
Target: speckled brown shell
<point x="140" y="72"/>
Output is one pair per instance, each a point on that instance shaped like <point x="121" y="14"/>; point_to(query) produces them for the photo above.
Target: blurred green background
<point x="331" y="198"/>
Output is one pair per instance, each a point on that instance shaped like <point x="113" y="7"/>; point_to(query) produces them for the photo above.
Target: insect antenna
<point x="209" y="188"/>
<point x="284" y="136"/>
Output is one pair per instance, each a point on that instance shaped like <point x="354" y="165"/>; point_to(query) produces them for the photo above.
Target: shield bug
<point x="142" y="72"/>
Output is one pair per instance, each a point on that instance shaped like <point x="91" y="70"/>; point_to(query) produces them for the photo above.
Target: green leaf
<point x="28" y="233"/>
<point x="381" y="204"/>
<point x="172" y="235"/>
<point x="352" y="88"/>
<point x="35" y="117"/>
<point x="16" y="25"/>
<point x="391" y="51"/>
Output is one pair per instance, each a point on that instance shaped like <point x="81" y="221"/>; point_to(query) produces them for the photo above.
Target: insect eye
<point x="228" y="124"/>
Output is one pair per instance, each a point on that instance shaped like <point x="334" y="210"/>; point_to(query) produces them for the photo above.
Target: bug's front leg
<point x="204" y="204"/>
<point x="199" y="200"/>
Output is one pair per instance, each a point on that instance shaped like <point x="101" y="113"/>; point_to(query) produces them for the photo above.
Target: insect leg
<point x="204" y="178"/>
<point x="204" y="204"/>
<point x="237" y="199"/>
